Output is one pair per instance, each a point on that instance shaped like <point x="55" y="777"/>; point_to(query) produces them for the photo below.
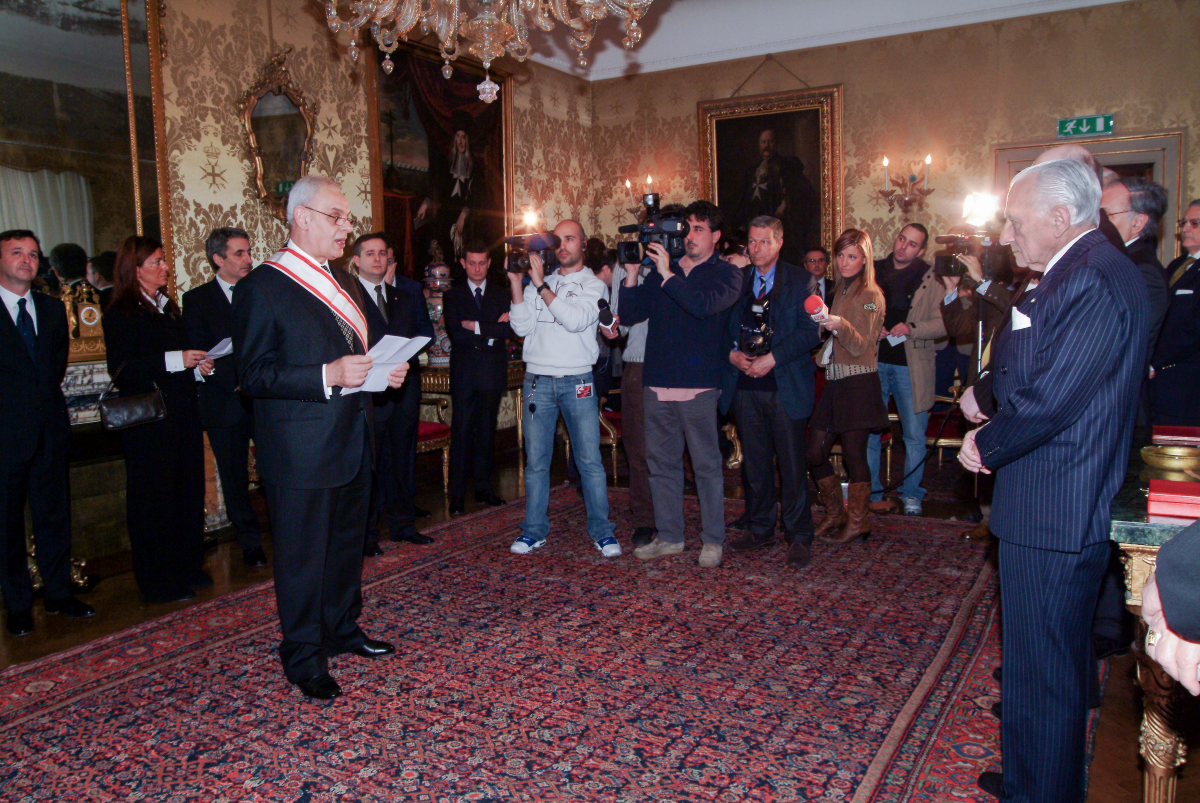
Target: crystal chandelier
<point x="499" y="27"/>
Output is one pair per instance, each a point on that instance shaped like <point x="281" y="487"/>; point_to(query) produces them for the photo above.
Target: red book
<point x="1176" y="436"/>
<point x="1175" y="492"/>
<point x="1156" y="508"/>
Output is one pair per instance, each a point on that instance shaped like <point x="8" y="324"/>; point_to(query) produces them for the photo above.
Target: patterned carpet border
<point x="558" y="676"/>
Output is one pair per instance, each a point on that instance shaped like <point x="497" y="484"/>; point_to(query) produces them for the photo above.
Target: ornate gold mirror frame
<point x="275" y="79"/>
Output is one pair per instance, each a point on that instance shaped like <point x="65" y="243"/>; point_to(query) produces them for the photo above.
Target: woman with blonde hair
<point x="851" y="405"/>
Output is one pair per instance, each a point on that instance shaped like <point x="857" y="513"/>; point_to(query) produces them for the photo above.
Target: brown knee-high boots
<point x="830" y="492"/>
<point x="858" y="524"/>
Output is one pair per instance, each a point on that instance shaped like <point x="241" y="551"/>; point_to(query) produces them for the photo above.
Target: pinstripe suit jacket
<point x="1066" y="387"/>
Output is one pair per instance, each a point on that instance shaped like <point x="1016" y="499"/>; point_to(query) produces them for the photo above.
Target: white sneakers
<point x="525" y="544"/>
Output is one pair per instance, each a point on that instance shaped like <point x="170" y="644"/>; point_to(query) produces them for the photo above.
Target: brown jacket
<point x="927" y="337"/>
<point x="857" y="341"/>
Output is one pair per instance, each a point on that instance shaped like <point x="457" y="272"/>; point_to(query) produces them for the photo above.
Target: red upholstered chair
<point x="434" y="435"/>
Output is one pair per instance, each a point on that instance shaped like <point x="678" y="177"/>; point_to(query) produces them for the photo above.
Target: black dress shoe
<point x="70" y="608"/>
<point x="178" y="595"/>
<point x="197" y="578"/>
<point x="412" y="537"/>
<point x="490" y="498"/>
<point x="322" y="687"/>
<point x="742" y="522"/>
<point x="996" y="709"/>
<point x="20" y="623"/>
<point x="799" y="555"/>
<point x="993" y="784"/>
<point x="420" y="512"/>
<point x="750" y="542"/>
<point x="254" y="556"/>
<point x="373" y="649"/>
<point x="643" y="536"/>
<point x="371" y="550"/>
<point x="457" y="506"/>
<point x="997" y="674"/>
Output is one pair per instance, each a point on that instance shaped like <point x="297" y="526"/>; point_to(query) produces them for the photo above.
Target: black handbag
<point x="123" y="412"/>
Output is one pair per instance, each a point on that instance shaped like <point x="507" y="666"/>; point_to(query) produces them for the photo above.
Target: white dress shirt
<point x="1062" y="251"/>
<point x="482" y="289"/>
<point x="227" y="287"/>
<point x="10" y="304"/>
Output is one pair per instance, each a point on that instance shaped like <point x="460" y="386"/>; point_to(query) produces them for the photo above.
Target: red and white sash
<point x="315" y="280"/>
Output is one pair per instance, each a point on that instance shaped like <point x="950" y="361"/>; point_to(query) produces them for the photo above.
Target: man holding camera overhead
<point x="769" y="386"/>
<point x="557" y="315"/>
<point x="685" y="347"/>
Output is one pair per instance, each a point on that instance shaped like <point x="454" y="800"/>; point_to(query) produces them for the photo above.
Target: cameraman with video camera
<point x="684" y="298"/>
<point x="557" y="315"/>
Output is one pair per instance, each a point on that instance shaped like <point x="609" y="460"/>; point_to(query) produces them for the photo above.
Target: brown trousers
<point x="633" y="435"/>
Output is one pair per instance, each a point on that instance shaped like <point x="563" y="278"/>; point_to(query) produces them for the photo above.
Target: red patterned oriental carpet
<point x="553" y="676"/>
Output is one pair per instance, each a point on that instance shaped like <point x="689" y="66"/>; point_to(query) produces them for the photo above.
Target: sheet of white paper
<point x="222" y="349"/>
<point x="896" y="340"/>
<point x="385" y="355"/>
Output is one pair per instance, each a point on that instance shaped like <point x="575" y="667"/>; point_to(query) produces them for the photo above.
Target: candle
<point x="649" y="185"/>
<point x="928" y="159"/>
<point x="629" y="188"/>
<point x="885" y="179"/>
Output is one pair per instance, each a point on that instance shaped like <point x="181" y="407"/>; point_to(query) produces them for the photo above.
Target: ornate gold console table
<point x="1162" y="748"/>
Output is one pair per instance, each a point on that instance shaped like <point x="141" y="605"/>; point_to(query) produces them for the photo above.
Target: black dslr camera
<point x="521" y="246"/>
<point x="755" y="339"/>
<point x="995" y="260"/>
<point x="668" y="232"/>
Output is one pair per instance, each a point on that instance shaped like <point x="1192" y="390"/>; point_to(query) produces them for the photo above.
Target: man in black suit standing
<point x="1175" y="367"/>
<point x="1067" y="373"/>
<point x="816" y="262"/>
<point x="224" y="410"/>
<point x="34" y="439"/>
<point x="477" y="322"/>
<point x="1136" y="207"/>
<point x="771" y="391"/>
<point x="300" y="337"/>
<point x="397" y="411"/>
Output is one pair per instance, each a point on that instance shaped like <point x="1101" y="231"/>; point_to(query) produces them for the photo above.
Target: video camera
<point x="521" y="246"/>
<point x="995" y="260"/>
<point x="669" y="232"/>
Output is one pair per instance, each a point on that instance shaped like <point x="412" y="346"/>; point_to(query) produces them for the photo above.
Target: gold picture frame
<point x="810" y="131"/>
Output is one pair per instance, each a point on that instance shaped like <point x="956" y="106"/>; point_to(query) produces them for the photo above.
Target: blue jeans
<point x="550" y="396"/>
<point x="895" y="382"/>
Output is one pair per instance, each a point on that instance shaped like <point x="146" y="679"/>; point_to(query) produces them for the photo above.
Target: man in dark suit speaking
<point x="34" y="439"/>
<point x="300" y="337"/>
<point x="1067" y="372"/>
<point x="224" y="410"/>
<point x="477" y="323"/>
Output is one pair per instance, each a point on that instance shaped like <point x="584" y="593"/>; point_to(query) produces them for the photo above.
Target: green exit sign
<point x="284" y="187"/>
<point x="1088" y="126"/>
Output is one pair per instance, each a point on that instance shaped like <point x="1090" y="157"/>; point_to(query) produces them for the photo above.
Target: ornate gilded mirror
<point x="278" y="123"/>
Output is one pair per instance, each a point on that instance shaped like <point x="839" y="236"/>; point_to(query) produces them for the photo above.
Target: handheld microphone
<point x="606" y="316"/>
<point x="815" y="306"/>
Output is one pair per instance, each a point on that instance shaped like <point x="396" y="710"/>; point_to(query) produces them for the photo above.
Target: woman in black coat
<point x="164" y="460"/>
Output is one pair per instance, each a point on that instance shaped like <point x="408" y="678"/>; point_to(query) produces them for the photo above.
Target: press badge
<point x="583" y="391"/>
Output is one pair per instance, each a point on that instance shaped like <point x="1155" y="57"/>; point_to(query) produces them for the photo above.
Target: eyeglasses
<point x="1122" y="212"/>
<point x="337" y="219"/>
<point x="1192" y="222"/>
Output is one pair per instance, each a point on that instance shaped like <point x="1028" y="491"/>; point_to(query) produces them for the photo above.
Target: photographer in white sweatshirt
<point x="558" y="316"/>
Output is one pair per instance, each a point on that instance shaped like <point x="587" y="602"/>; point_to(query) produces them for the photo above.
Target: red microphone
<point x="815" y="307"/>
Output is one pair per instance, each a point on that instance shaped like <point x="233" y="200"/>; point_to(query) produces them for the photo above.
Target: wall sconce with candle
<point x="649" y="199"/>
<point x="907" y="195"/>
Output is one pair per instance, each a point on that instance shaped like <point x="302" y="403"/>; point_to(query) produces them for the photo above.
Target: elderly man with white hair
<point x="1067" y="373"/>
<point x="301" y="341"/>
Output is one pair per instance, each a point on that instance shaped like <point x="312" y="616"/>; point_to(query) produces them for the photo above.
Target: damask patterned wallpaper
<point x="954" y="93"/>
<point x="214" y="53"/>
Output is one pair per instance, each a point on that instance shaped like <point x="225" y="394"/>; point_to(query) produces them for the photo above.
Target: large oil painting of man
<point x="439" y="154"/>
<point x="777" y="155"/>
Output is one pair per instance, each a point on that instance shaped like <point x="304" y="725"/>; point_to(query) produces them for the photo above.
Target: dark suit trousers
<point x="318" y="539"/>
<point x="43" y="482"/>
<point x="231" y="450"/>
<point x="768" y="435"/>
<point x="164" y="500"/>
<point x="393" y="489"/>
<point x="1048" y="599"/>
<point x="473" y="438"/>
<point x="633" y="437"/>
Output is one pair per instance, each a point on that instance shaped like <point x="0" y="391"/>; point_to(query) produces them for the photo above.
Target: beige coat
<point x="927" y="338"/>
